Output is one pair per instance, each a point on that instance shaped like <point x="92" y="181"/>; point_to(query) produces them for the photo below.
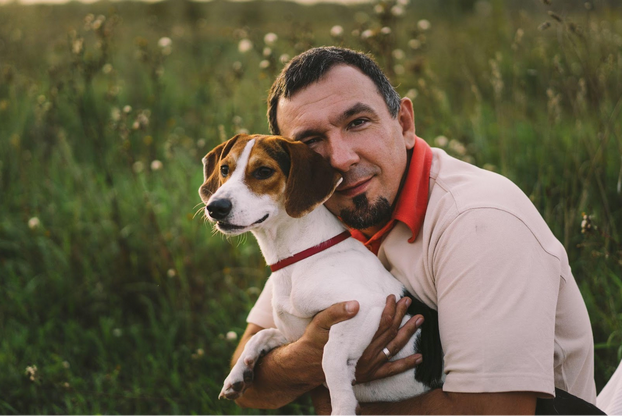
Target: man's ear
<point x="311" y="179"/>
<point x="406" y="120"/>
<point x="211" y="174"/>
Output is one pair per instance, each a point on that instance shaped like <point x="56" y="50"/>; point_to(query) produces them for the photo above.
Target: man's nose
<point x="342" y="155"/>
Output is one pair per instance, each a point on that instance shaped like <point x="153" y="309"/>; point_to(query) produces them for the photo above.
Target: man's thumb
<point x="337" y="312"/>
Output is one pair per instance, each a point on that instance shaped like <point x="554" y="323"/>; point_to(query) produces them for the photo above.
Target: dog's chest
<point x="287" y="315"/>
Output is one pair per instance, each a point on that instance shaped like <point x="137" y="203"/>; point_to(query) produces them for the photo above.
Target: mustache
<point x="356" y="174"/>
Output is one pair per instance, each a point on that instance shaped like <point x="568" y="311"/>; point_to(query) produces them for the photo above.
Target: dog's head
<point x="251" y="179"/>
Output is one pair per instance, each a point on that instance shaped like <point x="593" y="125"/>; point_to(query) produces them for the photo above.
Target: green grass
<point x="122" y="297"/>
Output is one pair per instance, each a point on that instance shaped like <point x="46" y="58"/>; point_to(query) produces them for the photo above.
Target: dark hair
<point x="311" y="65"/>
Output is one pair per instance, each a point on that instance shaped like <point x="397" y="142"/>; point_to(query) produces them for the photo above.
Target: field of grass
<point x="116" y="298"/>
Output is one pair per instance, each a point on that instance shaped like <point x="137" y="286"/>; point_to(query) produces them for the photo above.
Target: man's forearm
<point x="281" y="376"/>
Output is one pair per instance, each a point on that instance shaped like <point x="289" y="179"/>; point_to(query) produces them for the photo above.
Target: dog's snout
<point x="219" y="209"/>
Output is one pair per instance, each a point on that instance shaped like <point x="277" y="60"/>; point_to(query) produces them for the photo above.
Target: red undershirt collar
<point x="411" y="205"/>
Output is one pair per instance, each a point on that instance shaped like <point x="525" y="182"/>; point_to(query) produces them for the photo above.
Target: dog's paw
<point x="238" y="380"/>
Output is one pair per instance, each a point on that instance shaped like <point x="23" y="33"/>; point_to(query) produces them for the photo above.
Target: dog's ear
<point x="211" y="176"/>
<point x="311" y="179"/>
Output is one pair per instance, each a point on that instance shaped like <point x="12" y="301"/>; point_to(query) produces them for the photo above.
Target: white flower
<point x="264" y="64"/>
<point x="441" y="141"/>
<point x="231" y="336"/>
<point x="414" y="43"/>
<point x="403" y="2"/>
<point x="397" y="10"/>
<point x="398" y="54"/>
<point x="268" y="51"/>
<point x="33" y="223"/>
<point x="245" y="45"/>
<point x="284" y="59"/>
<point x="386" y="30"/>
<point x="107" y="68"/>
<point x="127" y="109"/>
<point x="138" y="166"/>
<point x="336" y="31"/>
<point x="171" y="273"/>
<point x="270" y="39"/>
<point x="164" y="42"/>
<point x="156" y="165"/>
<point x="412" y="93"/>
<point x="367" y="34"/>
<point x="379" y="9"/>
<point x="424" y="24"/>
<point x="399" y="69"/>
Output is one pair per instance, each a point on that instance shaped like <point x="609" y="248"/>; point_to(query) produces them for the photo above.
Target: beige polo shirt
<point x="511" y="316"/>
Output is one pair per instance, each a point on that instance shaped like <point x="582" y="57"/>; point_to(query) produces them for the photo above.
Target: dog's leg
<point x="241" y="374"/>
<point x="347" y="342"/>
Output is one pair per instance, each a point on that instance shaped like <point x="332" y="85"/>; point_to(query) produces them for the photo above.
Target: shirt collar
<point x="411" y="204"/>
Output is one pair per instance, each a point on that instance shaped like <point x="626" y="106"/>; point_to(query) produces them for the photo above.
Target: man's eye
<point x="311" y="141"/>
<point x="357" y="123"/>
<point x="263" y="173"/>
<point x="224" y="170"/>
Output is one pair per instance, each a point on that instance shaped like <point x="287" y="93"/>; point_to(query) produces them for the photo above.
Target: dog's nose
<point x="219" y="209"/>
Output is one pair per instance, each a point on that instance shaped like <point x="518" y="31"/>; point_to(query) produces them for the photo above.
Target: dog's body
<point x="267" y="185"/>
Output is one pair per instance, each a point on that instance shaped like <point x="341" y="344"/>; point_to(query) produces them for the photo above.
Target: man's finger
<point x="398" y="366"/>
<point x="400" y="312"/>
<point x="404" y="334"/>
<point x="387" y="316"/>
<point x="337" y="312"/>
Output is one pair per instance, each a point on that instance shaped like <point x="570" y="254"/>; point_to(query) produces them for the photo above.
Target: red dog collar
<point x="310" y="251"/>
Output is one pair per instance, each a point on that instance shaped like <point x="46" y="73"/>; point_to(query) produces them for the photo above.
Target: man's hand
<point x="374" y="364"/>
<point x="291" y="370"/>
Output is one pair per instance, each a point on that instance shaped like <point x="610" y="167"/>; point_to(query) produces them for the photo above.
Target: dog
<point x="275" y="188"/>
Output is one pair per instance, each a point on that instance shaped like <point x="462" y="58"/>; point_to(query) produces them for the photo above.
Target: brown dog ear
<point x="211" y="174"/>
<point x="311" y="179"/>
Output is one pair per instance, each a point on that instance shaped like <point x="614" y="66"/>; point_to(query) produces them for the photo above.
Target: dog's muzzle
<point x="219" y="209"/>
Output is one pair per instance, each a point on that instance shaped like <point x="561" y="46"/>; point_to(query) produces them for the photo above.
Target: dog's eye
<point x="263" y="173"/>
<point x="224" y="170"/>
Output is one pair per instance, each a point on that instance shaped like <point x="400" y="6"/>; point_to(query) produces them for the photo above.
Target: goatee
<point x="366" y="215"/>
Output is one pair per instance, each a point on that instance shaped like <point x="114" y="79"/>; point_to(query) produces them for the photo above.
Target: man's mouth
<point x="352" y="189"/>
<point x="226" y="226"/>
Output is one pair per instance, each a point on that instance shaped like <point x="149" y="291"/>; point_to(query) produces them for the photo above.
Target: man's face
<point x="345" y="119"/>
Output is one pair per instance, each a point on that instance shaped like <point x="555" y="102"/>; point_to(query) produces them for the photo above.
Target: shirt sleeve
<point x="262" y="312"/>
<point x="497" y="292"/>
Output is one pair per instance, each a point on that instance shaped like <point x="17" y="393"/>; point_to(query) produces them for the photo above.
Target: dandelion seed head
<point x="336" y="31"/>
<point x="264" y="64"/>
<point x="270" y="39"/>
<point x="34" y="223"/>
<point x="171" y="272"/>
<point x="368" y="33"/>
<point x="231" y="336"/>
<point x="156" y="165"/>
<point x="127" y="109"/>
<point x="441" y="141"/>
<point x="386" y="30"/>
<point x="397" y="10"/>
<point x="284" y="59"/>
<point x="424" y="24"/>
<point x="398" y="54"/>
<point x="245" y="46"/>
<point x="138" y="166"/>
<point x="414" y="43"/>
<point x="164" y="42"/>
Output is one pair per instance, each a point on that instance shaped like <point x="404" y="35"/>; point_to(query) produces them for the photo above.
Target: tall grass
<point x="116" y="298"/>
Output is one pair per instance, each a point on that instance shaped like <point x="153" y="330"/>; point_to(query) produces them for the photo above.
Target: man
<point x="465" y="241"/>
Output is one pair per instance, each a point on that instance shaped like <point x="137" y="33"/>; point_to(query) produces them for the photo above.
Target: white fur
<point x="346" y="271"/>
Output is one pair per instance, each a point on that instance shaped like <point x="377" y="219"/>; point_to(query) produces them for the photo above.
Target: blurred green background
<point x="116" y="296"/>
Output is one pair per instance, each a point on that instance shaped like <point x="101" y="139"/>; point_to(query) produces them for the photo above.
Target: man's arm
<point x="289" y="371"/>
<point x="439" y="402"/>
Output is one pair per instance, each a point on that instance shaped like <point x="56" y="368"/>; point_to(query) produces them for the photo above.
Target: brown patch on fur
<point x="275" y="185"/>
<point x="302" y="178"/>
<point x="225" y="153"/>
